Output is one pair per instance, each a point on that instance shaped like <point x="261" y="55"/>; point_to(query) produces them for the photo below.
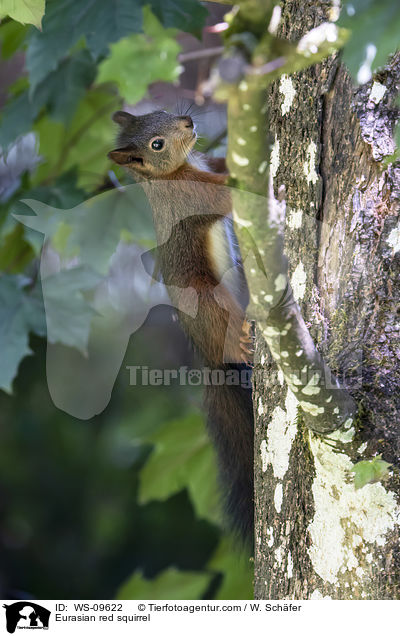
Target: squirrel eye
<point x="157" y="144"/>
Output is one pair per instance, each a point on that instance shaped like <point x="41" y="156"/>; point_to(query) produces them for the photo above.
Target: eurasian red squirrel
<point x="197" y="248"/>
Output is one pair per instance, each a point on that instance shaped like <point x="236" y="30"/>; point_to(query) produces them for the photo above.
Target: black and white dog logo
<point x="26" y="615"/>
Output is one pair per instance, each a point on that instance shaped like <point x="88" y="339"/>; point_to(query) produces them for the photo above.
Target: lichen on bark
<point x="342" y="228"/>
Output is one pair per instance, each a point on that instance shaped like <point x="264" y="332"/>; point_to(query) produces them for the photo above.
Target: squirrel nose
<point x="188" y="121"/>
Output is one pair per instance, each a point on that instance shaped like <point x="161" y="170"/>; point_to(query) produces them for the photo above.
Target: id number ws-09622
<point x="98" y="607"/>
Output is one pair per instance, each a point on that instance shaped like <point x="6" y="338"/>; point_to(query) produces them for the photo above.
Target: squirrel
<point x="197" y="249"/>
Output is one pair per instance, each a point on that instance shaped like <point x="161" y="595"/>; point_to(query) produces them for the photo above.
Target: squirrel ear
<point x="124" y="156"/>
<point x="122" y="118"/>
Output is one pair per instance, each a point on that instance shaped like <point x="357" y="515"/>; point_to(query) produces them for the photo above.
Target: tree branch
<point x="326" y="405"/>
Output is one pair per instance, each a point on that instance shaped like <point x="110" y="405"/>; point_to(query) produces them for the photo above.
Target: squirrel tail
<point x="231" y="428"/>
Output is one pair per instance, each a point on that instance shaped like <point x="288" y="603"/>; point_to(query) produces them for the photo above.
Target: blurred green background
<point x="124" y="504"/>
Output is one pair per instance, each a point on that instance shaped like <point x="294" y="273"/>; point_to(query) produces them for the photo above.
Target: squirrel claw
<point x="246" y="343"/>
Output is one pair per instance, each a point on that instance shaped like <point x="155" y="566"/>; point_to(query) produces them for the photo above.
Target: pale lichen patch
<point x="288" y="91"/>
<point x="295" y="219"/>
<point x="309" y="166"/>
<point x="365" y="71"/>
<point x="377" y="92"/>
<point x="313" y="409"/>
<point x="239" y="160"/>
<point x="394" y="239"/>
<point x="289" y="569"/>
<point x="278" y="555"/>
<point x="270" y="332"/>
<point x="344" y="515"/>
<point x="264" y="455"/>
<point x="317" y="596"/>
<point x="274" y="158"/>
<point x="280" y="282"/>
<point x="334" y="11"/>
<point x="281" y="432"/>
<point x="275" y="19"/>
<point x="312" y="387"/>
<point x="262" y="167"/>
<point x="343" y="436"/>
<point x="270" y="535"/>
<point x="311" y="41"/>
<point x="278" y="497"/>
<point x="298" y="282"/>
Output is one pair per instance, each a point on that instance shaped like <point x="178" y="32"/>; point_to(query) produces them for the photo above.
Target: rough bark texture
<point x="316" y="535"/>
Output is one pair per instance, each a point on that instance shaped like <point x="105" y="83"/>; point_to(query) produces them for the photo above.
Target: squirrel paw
<point x="247" y="342"/>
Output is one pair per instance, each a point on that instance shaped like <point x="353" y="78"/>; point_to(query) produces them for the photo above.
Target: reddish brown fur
<point x="186" y="202"/>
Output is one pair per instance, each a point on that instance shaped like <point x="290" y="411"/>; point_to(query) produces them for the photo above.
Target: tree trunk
<point x="316" y="534"/>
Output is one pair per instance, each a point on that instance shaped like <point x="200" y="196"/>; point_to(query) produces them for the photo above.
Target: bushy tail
<point x="231" y="428"/>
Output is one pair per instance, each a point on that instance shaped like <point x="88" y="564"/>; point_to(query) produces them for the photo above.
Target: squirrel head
<point x="153" y="145"/>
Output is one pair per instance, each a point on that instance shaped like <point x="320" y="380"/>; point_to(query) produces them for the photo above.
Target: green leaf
<point x="182" y="458"/>
<point x="63" y="89"/>
<point x="186" y="15"/>
<point x="63" y="193"/>
<point x="25" y="11"/>
<point x="138" y="60"/>
<point x="374" y="24"/>
<point x="236" y="568"/>
<point x="20" y="312"/>
<point x="101" y="22"/>
<point x="96" y="225"/>
<point x="84" y="143"/>
<point x="15" y="251"/>
<point x="17" y="119"/>
<point x="92" y="230"/>
<point x="12" y="36"/>
<point x="68" y="314"/>
<point x="170" y="584"/>
<point x="370" y="471"/>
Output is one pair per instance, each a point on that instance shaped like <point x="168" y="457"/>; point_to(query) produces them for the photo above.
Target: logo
<point x="26" y="615"/>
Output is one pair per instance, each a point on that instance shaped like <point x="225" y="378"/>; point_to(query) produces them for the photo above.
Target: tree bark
<point x="316" y="534"/>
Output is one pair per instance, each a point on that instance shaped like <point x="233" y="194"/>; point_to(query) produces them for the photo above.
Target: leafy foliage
<point x="375" y="26"/>
<point x="17" y="118"/>
<point x="187" y="15"/>
<point x="84" y="143"/>
<point x="100" y="23"/>
<point x="85" y="53"/>
<point x="25" y="11"/>
<point x="12" y="36"/>
<point x="63" y="89"/>
<point x="148" y="57"/>
<point x="67" y="21"/>
<point x="237" y="571"/>
<point x="148" y="464"/>
<point x="182" y="457"/>
<point x="68" y="314"/>
<point x="370" y="471"/>
<point x="170" y="584"/>
<point x="20" y="313"/>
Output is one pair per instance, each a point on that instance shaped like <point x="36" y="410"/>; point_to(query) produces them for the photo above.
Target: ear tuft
<point x="123" y="118"/>
<point x="125" y="156"/>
